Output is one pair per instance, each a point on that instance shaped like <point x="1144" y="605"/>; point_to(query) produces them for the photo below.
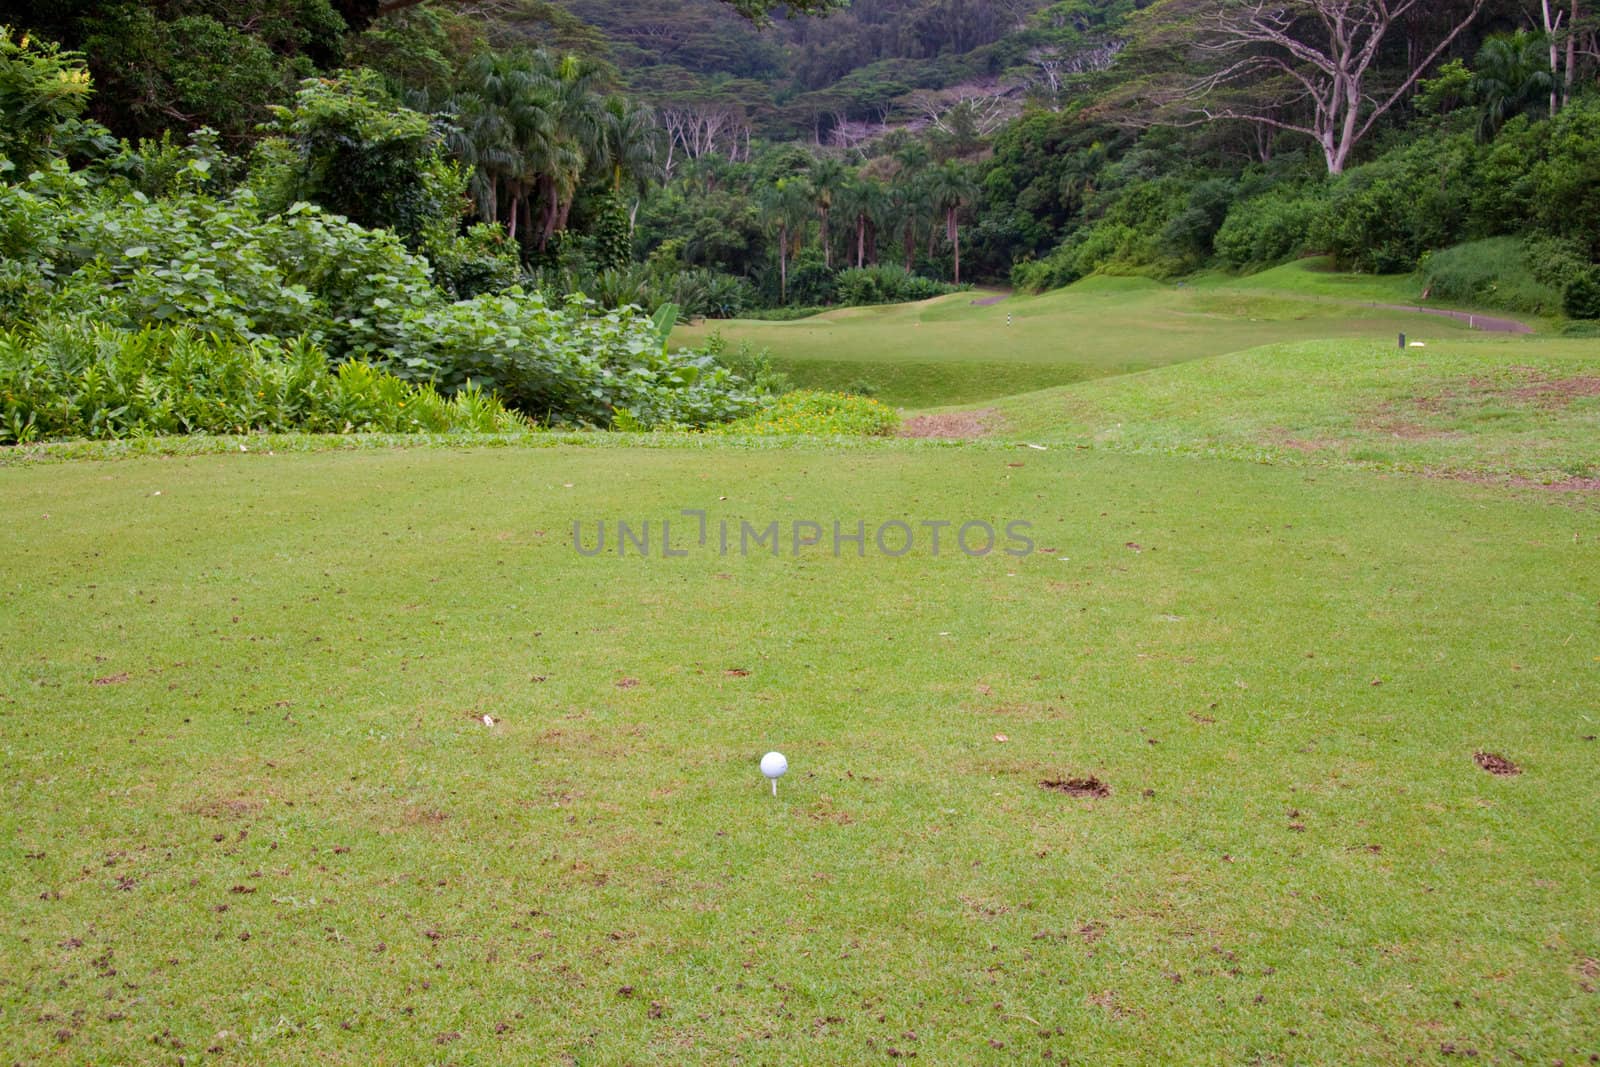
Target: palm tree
<point x="505" y="128"/>
<point x="532" y="126"/>
<point x="909" y="197"/>
<point x="908" y="205"/>
<point x="630" y="143"/>
<point x="828" y="177"/>
<point x="950" y="188"/>
<point x="786" y="205"/>
<point x="1511" y="76"/>
<point x="913" y="157"/>
<point x="579" y="140"/>
<point x="866" y="201"/>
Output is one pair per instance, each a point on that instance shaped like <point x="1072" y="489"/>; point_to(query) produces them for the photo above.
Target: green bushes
<point x="82" y="379"/>
<point x="699" y="294"/>
<point x="887" y="283"/>
<point x="42" y="91"/>
<point x="222" y="266"/>
<point x="814" y="413"/>
<point x="1382" y="217"/>
<point x="346" y="147"/>
<point x="1582" y="297"/>
<point x="1269" y="229"/>
<point x="567" y="364"/>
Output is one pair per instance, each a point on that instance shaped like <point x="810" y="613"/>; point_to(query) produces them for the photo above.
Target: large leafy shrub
<point x="223" y="266"/>
<point x="82" y="379"/>
<point x="1269" y="229"/>
<point x="1383" y="216"/>
<point x="1582" y="297"/>
<point x="887" y="283"/>
<point x="42" y="91"/>
<point x="568" y="363"/>
<point x="353" y="151"/>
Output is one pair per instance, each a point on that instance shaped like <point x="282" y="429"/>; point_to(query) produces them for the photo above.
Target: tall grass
<point x="1500" y="272"/>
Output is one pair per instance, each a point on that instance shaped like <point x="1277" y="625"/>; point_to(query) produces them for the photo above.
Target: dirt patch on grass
<point x="1558" y="392"/>
<point x="1496" y="764"/>
<point x="225" y="808"/>
<point x="113" y="679"/>
<point x="1525" y="386"/>
<point x="1406" y="430"/>
<point x="1560" y="485"/>
<point x="1565" y="485"/>
<point x="1303" y="444"/>
<point x="951" y="426"/>
<point x="1077" y="787"/>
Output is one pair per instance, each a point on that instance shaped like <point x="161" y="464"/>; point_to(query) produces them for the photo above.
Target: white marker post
<point x="774" y="766"/>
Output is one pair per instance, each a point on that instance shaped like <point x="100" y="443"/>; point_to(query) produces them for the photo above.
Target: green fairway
<point x="1280" y="602"/>
<point x="956" y="350"/>
<point x="252" y="806"/>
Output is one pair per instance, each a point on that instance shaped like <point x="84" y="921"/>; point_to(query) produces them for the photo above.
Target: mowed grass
<point x="252" y="814"/>
<point x="954" y="350"/>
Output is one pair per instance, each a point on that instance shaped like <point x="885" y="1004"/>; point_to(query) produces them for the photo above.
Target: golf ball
<point x="773" y="765"/>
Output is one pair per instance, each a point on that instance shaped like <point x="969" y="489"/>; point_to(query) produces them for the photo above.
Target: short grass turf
<point x="252" y="814"/>
<point x="957" y="349"/>
<point x="1509" y="408"/>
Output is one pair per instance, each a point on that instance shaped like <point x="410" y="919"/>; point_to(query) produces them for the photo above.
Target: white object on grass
<point x="774" y="766"/>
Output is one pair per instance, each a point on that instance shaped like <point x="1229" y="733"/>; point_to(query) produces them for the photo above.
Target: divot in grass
<point x="1077" y="787"/>
<point x="1496" y="765"/>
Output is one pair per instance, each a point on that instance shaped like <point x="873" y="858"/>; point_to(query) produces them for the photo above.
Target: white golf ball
<point x="773" y="765"/>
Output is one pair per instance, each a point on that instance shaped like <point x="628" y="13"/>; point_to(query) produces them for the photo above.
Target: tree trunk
<point x="1551" y="26"/>
<point x="552" y="213"/>
<point x="911" y="247"/>
<point x="1340" y="156"/>
<point x="516" y="212"/>
<point x="861" y="241"/>
<point x="1572" y="50"/>
<point x="827" y="245"/>
<point x="953" y="226"/>
<point x="783" y="265"/>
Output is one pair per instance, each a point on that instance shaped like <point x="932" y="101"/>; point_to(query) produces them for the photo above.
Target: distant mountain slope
<point x="808" y="75"/>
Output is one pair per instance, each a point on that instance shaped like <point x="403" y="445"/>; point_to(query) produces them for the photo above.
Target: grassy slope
<point x="949" y="351"/>
<point x="299" y="650"/>
<point x="1518" y="407"/>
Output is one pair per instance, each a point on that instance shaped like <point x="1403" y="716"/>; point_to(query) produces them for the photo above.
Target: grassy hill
<point x="966" y="348"/>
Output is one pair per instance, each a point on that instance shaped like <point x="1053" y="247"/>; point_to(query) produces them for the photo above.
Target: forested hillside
<point x="516" y="168"/>
<point x="833" y="79"/>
